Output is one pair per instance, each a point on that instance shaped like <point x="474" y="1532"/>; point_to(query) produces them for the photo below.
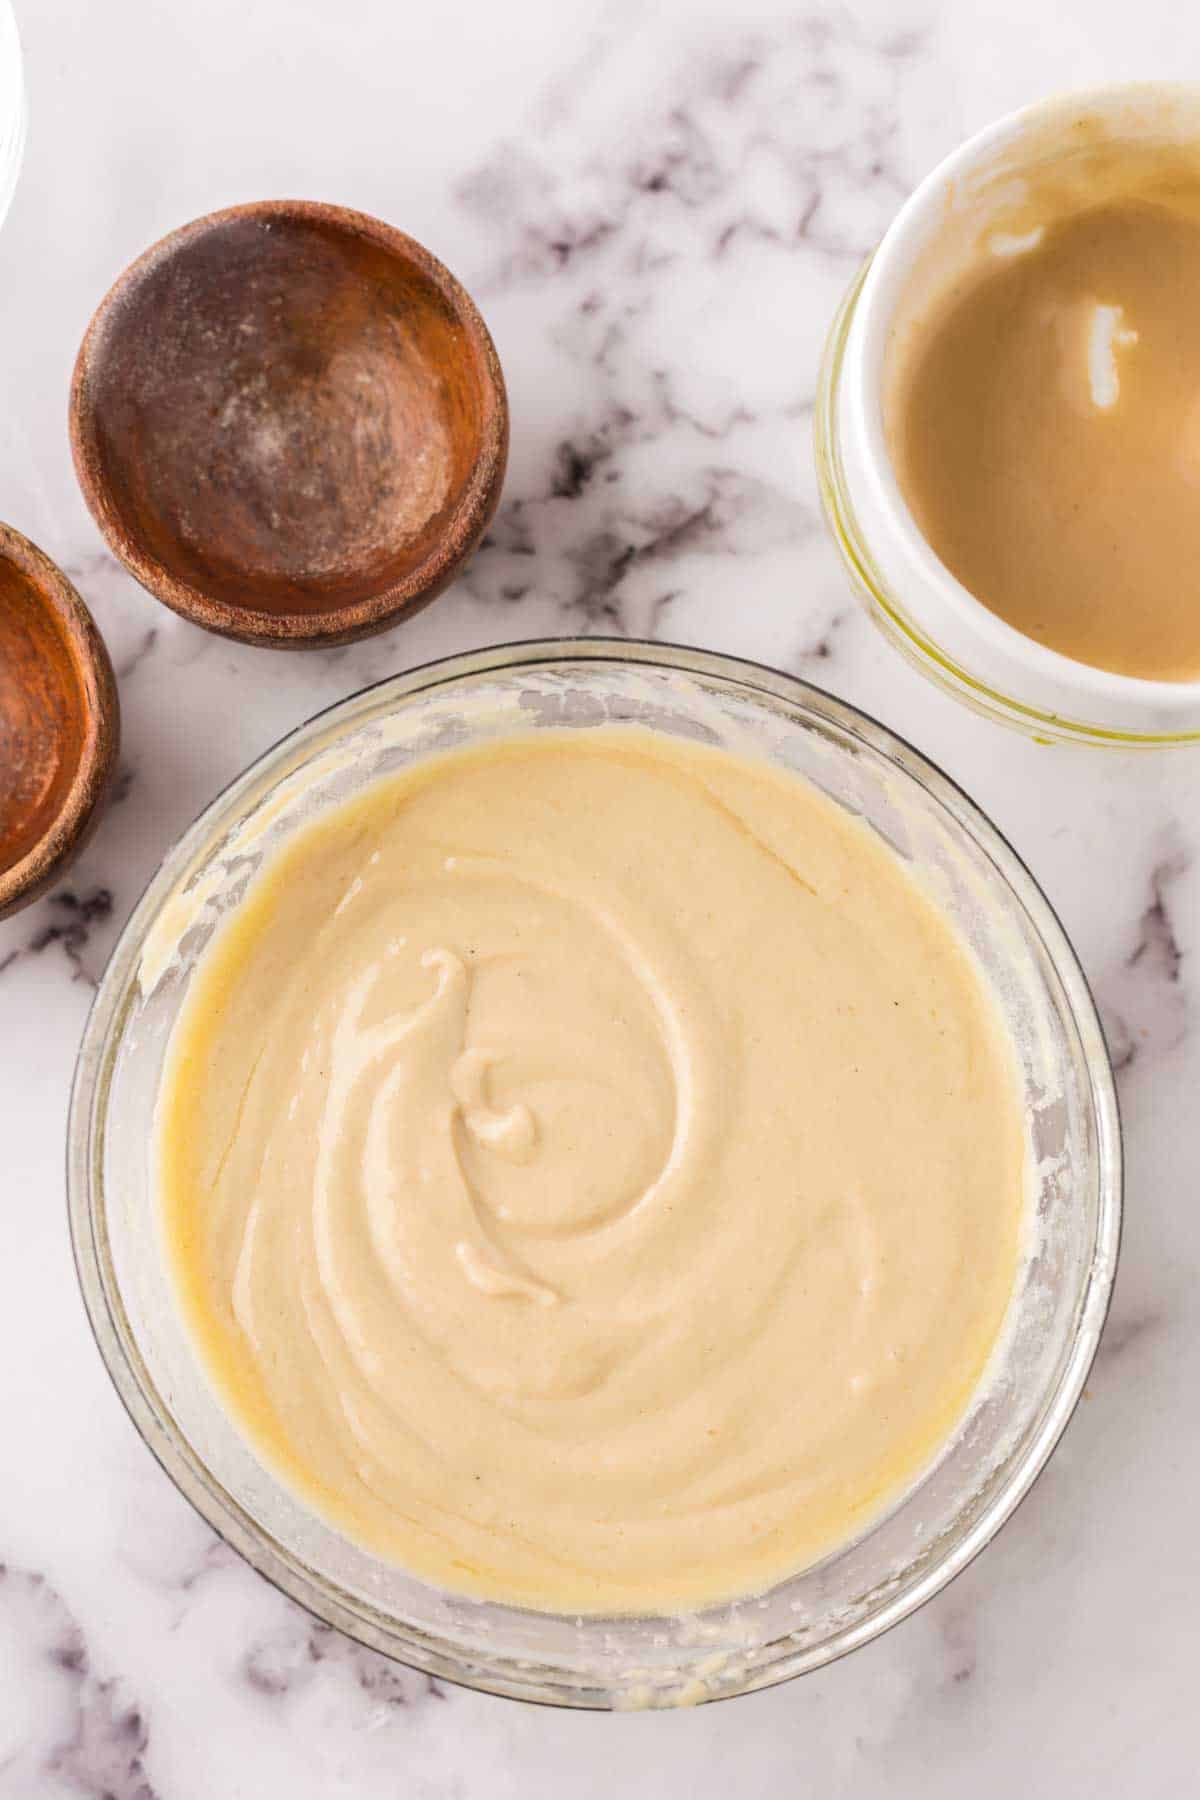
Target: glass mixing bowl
<point x="1063" y="1289"/>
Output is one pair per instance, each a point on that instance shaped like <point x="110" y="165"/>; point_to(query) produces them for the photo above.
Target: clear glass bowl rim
<point x="115" y="996"/>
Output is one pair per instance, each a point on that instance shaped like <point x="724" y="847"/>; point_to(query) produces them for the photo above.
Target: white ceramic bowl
<point x="926" y="611"/>
<point x="1057" y="1311"/>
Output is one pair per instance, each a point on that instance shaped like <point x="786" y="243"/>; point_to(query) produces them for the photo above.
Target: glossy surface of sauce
<point x="594" y="1172"/>
<point x="1043" y="413"/>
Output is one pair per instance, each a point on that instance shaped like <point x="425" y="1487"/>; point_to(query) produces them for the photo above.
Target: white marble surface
<point x="657" y="207"/>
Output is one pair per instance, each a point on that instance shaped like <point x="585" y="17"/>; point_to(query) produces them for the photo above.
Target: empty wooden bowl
<point x="290" y="424"/>
<point x="59" y="721"/>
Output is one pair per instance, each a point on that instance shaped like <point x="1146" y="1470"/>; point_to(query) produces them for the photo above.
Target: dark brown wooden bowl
<point x="289" y="422"/>
<point x="59" y="721"/>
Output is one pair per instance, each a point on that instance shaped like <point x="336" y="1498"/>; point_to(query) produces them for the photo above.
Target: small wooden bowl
<point x="59" y="722"/>
<point x="290" y="424"/>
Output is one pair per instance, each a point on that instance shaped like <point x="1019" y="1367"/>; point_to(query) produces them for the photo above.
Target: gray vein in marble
<point x="595" y="563"/>
<point x="575" y="465"/>
<point x="286" y="1663"/>
<point x="102" y="1754"/>
<point x="959" y="1635"/>
<point x="821" y="649"/>
<point x="1144" y="1003"/>
<point x="130" y="664"/>
<point x="122" y="785"/>
<point x="72" y="919"/>
<point x="658" y="611"/>
<point x="104" y="1758"/>
<point x="724" y="112"/>
<point x="675" y="414"/>
<point x="183" y="1582"/>
<point x="216" y="1558"/>
<point x="92" y="566"/>
<point x="780" y="136"/>
<point x="1157" y="942"/>
<point x="1125" y="1333"/>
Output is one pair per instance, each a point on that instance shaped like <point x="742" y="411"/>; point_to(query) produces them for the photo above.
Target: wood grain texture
<point x="290" y="423"/>
<point x="59" y="721"/>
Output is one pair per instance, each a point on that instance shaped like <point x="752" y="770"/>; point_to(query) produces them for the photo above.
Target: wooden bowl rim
<point x="21" y="882"/>
<point x="339" y="624"/>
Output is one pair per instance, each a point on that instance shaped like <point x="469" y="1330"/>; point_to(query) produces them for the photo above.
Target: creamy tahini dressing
<point x="593" y="1170"/>
<point x="1042" y="401"/>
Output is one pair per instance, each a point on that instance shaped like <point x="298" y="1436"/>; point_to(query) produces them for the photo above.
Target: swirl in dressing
<point x="593" y="1171"/>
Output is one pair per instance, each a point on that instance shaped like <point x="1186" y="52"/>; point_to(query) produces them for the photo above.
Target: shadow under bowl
<point x="289" y="421"/>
